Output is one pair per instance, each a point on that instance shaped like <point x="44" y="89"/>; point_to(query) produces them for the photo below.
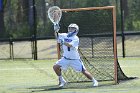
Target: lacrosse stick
<point x="54" y="14"/>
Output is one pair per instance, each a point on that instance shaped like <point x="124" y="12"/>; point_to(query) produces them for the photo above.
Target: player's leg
<point x="89" y="76"/>
<point x="57" y="69"/>
<point x="78" y="66"/>
<point x="60" y="64"/>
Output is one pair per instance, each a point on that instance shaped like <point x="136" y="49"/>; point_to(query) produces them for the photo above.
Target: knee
<point x="56" y="67"/>
<point x="83" y="71"/>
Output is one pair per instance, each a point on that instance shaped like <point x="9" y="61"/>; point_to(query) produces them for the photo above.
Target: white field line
<point x="6" y="69"/>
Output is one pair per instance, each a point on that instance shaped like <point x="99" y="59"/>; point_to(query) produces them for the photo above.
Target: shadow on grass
<point x="72" y="86"/>
<point x="68" y="86"/>
<point x="44" y="88"/>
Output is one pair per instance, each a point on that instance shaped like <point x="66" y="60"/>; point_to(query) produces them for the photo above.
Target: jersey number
<point x="68" y="48"/>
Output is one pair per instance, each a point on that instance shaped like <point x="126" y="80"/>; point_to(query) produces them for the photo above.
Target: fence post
<point x="122" y="28"/>
<point x="33" y="27"/>
<point x="11" y="48"/>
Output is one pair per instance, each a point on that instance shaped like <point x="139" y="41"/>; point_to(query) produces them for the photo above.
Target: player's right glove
<point x="56" y="27"/>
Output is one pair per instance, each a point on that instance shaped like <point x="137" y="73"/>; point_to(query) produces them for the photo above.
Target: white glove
<point x="56" y="27"/>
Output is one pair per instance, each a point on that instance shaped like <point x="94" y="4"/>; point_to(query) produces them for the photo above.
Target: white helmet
<point x="75" y="26"/>
<point x="75" y="32"/>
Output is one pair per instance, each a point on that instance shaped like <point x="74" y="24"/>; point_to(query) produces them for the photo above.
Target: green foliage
<point x="133" y="18"/>
<point x="16" y="15"/>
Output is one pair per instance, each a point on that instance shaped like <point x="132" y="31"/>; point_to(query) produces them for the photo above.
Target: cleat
<point x="95" y="83"/>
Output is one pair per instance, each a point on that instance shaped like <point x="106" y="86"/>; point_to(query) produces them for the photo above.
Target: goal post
<point x="98" y="46"/>
<point x="115" y="43"/>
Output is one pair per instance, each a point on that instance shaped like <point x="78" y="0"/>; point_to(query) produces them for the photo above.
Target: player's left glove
<point x="56" y="27"/>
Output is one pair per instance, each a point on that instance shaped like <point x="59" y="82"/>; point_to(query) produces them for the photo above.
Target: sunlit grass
<point x="22" y="77"/>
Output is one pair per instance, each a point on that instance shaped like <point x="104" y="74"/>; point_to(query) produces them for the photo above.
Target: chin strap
<point x="70" y="34"/>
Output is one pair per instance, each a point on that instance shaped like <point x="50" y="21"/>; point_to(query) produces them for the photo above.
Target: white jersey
<point x="70" y="52"/>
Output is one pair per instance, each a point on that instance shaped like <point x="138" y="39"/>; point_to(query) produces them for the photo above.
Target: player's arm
<point x="74" y="43"/>
<point x="67" y="44"/>
<point x="56" y="34"/>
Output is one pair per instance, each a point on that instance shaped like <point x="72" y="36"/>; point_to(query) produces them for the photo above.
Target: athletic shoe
<point x="95" y="83"/>
<point x="63" y="82"/>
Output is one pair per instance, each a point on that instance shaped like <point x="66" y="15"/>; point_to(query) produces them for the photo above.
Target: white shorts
<point x="76" y="64"/>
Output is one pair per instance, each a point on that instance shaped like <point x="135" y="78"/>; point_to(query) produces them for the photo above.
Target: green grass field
<point x="28" y="76"/>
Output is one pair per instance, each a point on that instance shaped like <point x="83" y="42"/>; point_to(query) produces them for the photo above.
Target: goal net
<point x="97" y="48"/>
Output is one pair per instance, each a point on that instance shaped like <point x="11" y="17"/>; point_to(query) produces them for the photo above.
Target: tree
<point x="1" y="19"/>
<point x="132" y="21"/>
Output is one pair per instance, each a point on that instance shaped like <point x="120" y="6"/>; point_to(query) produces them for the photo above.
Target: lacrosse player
<point x="70" y="56"/>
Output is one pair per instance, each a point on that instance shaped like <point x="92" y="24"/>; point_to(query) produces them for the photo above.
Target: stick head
<point x="54" y="14"/>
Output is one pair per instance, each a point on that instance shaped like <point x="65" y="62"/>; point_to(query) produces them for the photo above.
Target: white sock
<point x="93" y="79"/>
<point x="61" y="78"/>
